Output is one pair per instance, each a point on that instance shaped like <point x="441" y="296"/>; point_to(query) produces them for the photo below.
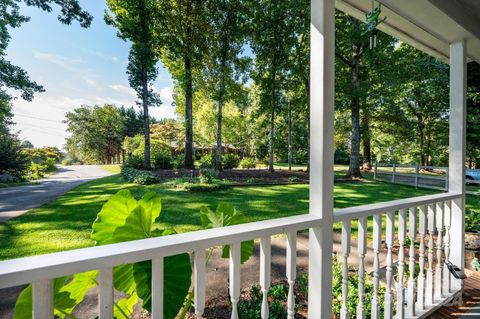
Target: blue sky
<point x="76" y="66"/>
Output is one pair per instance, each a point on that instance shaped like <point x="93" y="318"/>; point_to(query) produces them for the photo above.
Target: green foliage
<point x="247" y="162"/>
<point x="472" y="220"/>
<point x="97" y="133"/>
<point x="122" y="218"/>
<point x="230" y="161"/>
<point x="178" y="162"/>
<point x="163" y="160"/>
<point x="226" y="215"/>
<point x="138" y="176"/>
<point x="352" y="290"/>
<point x="207" y="161"/>
<point x="134" y="161"/>
<point x="207" y="175"/>
<point x="12" y="159"/>
<point x="250" y="308"/>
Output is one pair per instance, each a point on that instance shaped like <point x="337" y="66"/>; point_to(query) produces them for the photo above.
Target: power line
<point x="36" y="118"/>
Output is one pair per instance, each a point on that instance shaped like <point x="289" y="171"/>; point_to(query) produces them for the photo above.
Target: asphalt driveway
<point x="15" y="201"/>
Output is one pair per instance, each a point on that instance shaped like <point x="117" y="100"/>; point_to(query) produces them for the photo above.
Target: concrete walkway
<point x="16" y="201"/>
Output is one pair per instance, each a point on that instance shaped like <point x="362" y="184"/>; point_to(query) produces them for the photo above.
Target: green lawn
<point x="65" y="222"/>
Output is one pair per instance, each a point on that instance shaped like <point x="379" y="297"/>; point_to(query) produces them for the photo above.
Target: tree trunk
<point x="367" y="152"/>
<point x="289" y="135"/>
<point x="188" y="114"/>
<point x="272" y="123"/>
<point x="146" y="124"/>
<point x="218" y="159"/>
<point x="354" y="167"/>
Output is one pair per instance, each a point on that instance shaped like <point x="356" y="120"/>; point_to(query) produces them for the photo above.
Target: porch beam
<point x="322" y="91"/>
<point x="457" y="144"/>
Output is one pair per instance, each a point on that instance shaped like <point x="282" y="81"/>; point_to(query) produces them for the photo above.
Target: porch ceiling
<point x="428" y="25"/>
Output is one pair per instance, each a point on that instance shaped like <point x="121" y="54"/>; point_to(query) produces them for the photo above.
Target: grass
<point x="65" y="223"/>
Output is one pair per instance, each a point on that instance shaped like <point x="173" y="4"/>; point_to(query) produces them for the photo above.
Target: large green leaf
<point x="113" y="214"/>
<point x="226" y="215"/>
<point x="63" y="304"/>
<point x="176" y="283"/>
<point x="124" y="307"/>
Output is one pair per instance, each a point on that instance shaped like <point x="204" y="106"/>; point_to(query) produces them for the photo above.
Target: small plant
<point x="250" y="306"/>
<point x="472" y="219"/>
<point x="251" y="180"/>
<point x="207" y="175"/>
<point x="475" y="264"/>
<point x="247" y="163"/>
<point x="178" y="162"/>
<point x="230" y="161"/>
<point x="293" y="179"/>
<point x="137" y="176"/>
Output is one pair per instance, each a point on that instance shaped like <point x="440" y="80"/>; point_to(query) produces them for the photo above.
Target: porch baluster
<point x="362" y="250"/>
<point x="199" y="280"/>
<point x="234" y="269"/>
<point x="431" y="233"/>
<point x="344" y="314"/>
<point x="42" y="299"/>
<point x="422" y="229"/>
<point x="446" y="273"/>
<point x="105" y="294"/>
<point x="265" y="270"/>
<point x="377" y="238"/>
<point x="291" y="272"/>
<point x="388" y="311"/>
<point x="438" y="269"/>
<point x="157" y="288"/>
<point x="402" y="220"/>
<point x="412" y="232"/>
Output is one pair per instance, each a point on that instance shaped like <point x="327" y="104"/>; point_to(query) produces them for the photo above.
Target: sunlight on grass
<point x="112" y="168"/>
<point x="65" y="223"/>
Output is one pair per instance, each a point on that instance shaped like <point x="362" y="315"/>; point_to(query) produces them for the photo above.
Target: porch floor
<point x="471" y="299"/>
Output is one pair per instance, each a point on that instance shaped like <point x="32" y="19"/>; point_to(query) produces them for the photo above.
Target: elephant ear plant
<point x="122" y="218"/>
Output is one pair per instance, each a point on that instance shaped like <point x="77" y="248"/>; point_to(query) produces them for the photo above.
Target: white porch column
<point x="322" y="90"/>
<point x="457" y="141"/>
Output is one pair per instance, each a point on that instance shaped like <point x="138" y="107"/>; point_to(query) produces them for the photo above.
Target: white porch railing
<point x="423" y="294"/>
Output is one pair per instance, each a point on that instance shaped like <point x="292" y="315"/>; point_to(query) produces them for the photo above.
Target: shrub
<point x="137" y="176"/>
<point x="163" y="160"/>
<point x="197" y="187"/>
<point x="293" y="179"/>
<point x="229" y="161"/>
<point x="207" y="175"/>
<point x="247" y="163"/>
<point x="472" y="218"/>
<point x="134" y="161"/>
<point x="250" y="307"/>
<point x="207" y="161"/>
<point x="178" y="161"/>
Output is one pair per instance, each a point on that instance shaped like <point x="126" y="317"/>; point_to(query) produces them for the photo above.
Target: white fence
<point x="421" y="296"/>
<point x="433" y="177"/>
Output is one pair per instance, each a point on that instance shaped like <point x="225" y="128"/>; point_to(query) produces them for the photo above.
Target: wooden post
<point x="417" y="169"/>
<point x="456" y="162"/>
<point x="42" y="299"/>
<point x="322" y="94"/>
<point x="394" y="170"/>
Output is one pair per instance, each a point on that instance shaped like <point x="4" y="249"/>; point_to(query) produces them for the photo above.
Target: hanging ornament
<point x="372" y="21"/>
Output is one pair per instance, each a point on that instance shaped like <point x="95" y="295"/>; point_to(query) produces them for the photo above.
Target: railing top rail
<point x="380" y="208"/>
<point x="29" y="269"/>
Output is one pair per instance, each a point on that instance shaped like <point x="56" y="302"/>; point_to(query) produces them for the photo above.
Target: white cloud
<point x="123" y="89"/>
<point x="56" y="59"/>
<point x="166" y="94"/>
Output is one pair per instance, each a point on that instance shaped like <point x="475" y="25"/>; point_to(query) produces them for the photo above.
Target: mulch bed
<point x="243" y="177"/>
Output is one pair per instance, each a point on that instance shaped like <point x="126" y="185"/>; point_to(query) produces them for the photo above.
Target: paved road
<point x="15" y="201"/>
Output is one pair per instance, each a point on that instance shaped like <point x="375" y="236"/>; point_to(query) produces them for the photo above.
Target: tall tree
<point x="272" y="40"/>
<point x="183" y="50"/>
<point x="135" y="21"/>
<point x="225" y="66"/>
